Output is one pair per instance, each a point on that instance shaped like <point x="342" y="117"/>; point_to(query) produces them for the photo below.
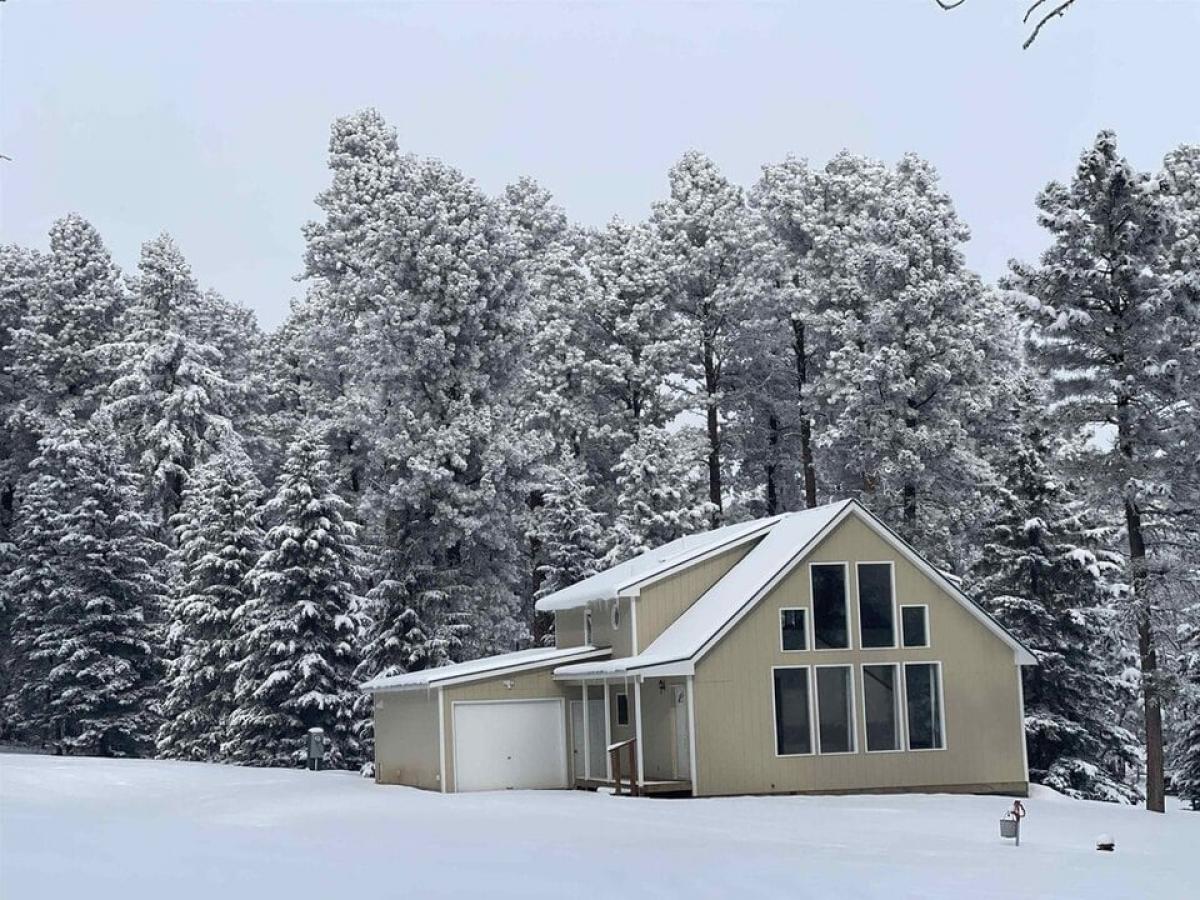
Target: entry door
<point x="509" y="744"/>
<point x="683" y="752"/>
<point x="596" y="727"/>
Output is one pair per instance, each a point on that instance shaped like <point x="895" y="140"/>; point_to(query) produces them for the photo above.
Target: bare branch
<point x="1061" y="8"/>
<point x="1057" y="11"/>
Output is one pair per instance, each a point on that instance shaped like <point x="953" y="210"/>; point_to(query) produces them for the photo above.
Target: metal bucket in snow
<point x="1008" y="828"/>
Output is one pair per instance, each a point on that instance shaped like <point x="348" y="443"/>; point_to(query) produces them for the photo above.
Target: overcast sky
<point x="210" y="120"/>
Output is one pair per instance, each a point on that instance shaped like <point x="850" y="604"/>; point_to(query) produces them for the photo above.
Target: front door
<point x="596" y="726"/>
<point x="679" y="719"/>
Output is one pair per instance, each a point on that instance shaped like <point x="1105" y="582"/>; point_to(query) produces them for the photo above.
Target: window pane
<point x="875" y="610"/>
<point x="622" y="709"/>
<point x="924" y="707"/>
<point x="829" y="607"/>
<point x="835" y="711"/>
<point x="793" y="733"/>
<point x="913" y="620"/>
<point x="881" y="707"/>
<point x="791" y="622"/>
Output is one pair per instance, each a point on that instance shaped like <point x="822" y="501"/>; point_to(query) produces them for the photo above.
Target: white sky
<point x="210" y="120"/>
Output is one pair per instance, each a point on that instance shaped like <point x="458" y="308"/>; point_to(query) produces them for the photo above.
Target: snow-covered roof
<point x="788" y="540"/>
<point x="628" y="575"/>
<point x="488" y="666"/>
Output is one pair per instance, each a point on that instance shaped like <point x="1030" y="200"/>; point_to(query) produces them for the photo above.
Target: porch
<point x="646" y="723"/>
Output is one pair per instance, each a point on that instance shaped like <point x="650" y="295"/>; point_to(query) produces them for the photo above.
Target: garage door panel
<point x="518" y="744"/>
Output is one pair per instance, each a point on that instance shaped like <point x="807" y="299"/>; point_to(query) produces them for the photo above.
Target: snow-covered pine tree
<point x="1044" y="574"/>
<point x="442" y="348"/>
<point x="171" y="400"/>
<point x="1119" y="345"/>
<point x="21" y="277"/>
<point x="58" y="352"/>
<point x="556" y="403"/>
<point x="910" y="332"/>
<point x="661" y="492"/>
<point x="569" y="534"/>
<point x="298" y="634"/>
<point x="219" y="539"/>
<point x="1187" y="766"/>
<point x="633" y="346"/>
<point x="88" y="668"/>
<point x="706" y="240"/>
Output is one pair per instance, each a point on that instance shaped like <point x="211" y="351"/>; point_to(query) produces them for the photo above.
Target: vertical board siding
<point x="663" y="602"/>
<point x="406" y="738"/>
<point x="735" y="707"/>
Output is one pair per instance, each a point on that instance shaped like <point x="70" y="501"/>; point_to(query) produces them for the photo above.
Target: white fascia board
<point x="794" y="560"/>
<point x="487" y="674"/>
<point x="632" y="584"/>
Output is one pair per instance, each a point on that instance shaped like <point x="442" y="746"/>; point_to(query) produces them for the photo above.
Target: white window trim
<point x="941" y="708"/>
<point x="807" y="628"/>
<point x="812" y="724"/>
<point x="816" y="694"/>
<point x="617" y="708"/>
<point x="928" y="628"/>
<point x="897" y="638"/>
<point x="812" y="602"/>
<point x="901" y="708"/>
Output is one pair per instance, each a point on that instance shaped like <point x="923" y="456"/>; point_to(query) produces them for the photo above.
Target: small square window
<point x="622" y="709"/>
<point x="914" y="623"/>
<point x="793" y="629"/>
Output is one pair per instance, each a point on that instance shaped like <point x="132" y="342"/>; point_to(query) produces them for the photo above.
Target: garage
<point x="509" y="745"/>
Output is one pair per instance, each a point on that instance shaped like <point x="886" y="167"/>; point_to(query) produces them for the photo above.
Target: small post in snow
<point x="316" y="748"/>
<point x="1010" y="824"/>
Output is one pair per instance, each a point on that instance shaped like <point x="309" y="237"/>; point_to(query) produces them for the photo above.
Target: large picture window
<point x="830" y="623"/>
<point x="881" y="705"/>
<point x="923" y="690"/>
<point x="793" y="728"/>
<point x="876" y="607"/>
<point x="835" y="710"/>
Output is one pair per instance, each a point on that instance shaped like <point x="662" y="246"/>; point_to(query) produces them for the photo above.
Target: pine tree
<point x="88" y="669"/>
<point x="21" y="277"/>
<point x="705" y="230"/>
<point x="218" y="542"/>
<point x="1119" y="344"/>
<point x="660" y="497"/>
<point x="1187" y="769"/>
<point x="299" y="632"/>
<point x="568" y="533"/>
<point x="59" y="350"/>
<point x="170" y="397"/>
<point x="1045" y="577"/>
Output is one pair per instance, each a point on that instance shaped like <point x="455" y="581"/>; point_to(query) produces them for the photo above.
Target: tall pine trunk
<point x="711" y="385"/>
<point x="1148" y="657"/>
<point x="1147" y="653"/>
<point x="806" y="452"/>
<point x="771" y="469"/>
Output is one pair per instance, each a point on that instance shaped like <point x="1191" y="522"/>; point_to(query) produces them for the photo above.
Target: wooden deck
<point x="646" y="787"/>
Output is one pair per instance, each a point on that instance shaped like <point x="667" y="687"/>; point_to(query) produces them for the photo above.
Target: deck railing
<point x="614" y="754"/>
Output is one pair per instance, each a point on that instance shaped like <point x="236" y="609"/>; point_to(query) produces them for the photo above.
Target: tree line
<point x="210" y="534"/>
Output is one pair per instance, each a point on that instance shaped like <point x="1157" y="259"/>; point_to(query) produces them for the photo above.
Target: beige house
<point x="812" y="652"/>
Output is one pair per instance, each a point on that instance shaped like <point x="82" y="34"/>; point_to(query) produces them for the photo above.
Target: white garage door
<point x="509" y="744"/>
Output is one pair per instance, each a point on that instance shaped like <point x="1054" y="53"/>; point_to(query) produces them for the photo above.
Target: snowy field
<point x="75" y="828"/>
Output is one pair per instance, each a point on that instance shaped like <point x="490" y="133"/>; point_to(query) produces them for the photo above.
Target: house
<point x="811" y="652"/>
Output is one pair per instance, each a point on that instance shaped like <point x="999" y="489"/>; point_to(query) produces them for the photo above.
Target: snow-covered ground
<point x="89" y="828"/>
